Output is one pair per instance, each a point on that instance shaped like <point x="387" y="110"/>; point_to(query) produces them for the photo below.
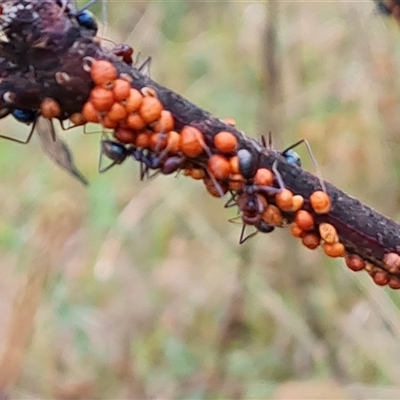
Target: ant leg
<point x="242" y="239"/>
<point x="27" y="140"/>
<point x="215" y="183"/>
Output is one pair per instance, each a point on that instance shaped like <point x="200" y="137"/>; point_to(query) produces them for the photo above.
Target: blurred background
<point x="130" y="289"/>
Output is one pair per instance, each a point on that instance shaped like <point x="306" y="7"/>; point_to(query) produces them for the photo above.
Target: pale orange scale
<point x="135" y="121"/>
<point x="234" y="161"/>
<point x="174" y="142"/>
<point x="392" y="262"/>
<point x="297" y="202"/>
<point x="117" y="112"/>
<point x="334" y="249"/>
<point x="150" y="109"/>
<point x="121" y="89"/>
<point x="229" y="121"/>
<point x="272" y="215"/>
<point x="50" y="108"/>
<point x="284" y="200"/>
<point x="90" y="113"/>
<point x="320" y="202"/>
<point x="187" y="172"/>
<point x="143" y="140"/>
<point x="296" y="231"/>
<point x="108" y="123"/>
<point x="328" y="233"/>
<point x="198" y="173"/>
<point x="192" y="141"/>
<point x="354" y="262"/>
<point x="101" y="98"/>
<point x="236" y="181"/>
<point x="310" y="240"/>
<point x="219" y="166"/>
<point x="226" y="142"/>
<point x="134" y="101"/>
<point x="212" y="189"/>
<point x="264" y="177"/>
<point x="158" y="141"/>
<point x="124" y="135"/>
<point x="78" y="119"/>
<point x="304" y="220"/>
<point x="165" y="123"/>
<point x="103" y="72"/>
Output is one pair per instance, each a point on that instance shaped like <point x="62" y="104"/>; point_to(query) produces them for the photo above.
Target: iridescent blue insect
<point x="25" y="116"/>
<point x="87" y="20"/>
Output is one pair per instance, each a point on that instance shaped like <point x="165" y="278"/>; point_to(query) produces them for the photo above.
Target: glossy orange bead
<point x="380" y="277"/>
<point x="135" y="121"/>
<point x="50" y="108"/>
<point x="320" y="202"/>
<point x="272" y="215"/>
<point x="304" y="220"/>
<point x="174" y="142"/>
<point x="296" y="231"/>
<point x="234" y="161"/>
<point x="264" y="177"/>
<point x="297" y="202"/>
<point x="108" y="123"/>
<point x="134" y="101"/>
<point x="101" y="98"/>
<point x="150" y="109"/>
<point x="117" y="112"/>
<point x="392" y="262"/>
<point x="328" y="233"/>
<point x="192" y="142"/>
<point x="236" y="181"/>
<point x="210" y="186"/>
<point x="219" y="166"/>
<point x="103" y="72"/>
<point x="90" y="113"/>
<point x="78" y="119"/>
<point x="124" y="135"/>
<point x="334" y="249"/>
<point x="121" y="89"/>
<point x="354" y="262"/>
<point x="394" y="283"/>
<point x="143" y="140"/>
<point x="310" y="240"/>
<point x="198" y="173"/>
<point x="284" y="200"/>
<point x="158" y="141"/>
<point x="226" y="142"/>
<point x="165" y="123"/>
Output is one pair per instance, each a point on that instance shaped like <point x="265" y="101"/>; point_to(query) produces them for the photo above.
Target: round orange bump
<point x="380" y="277"/>
<point x="198" y="173"/>
<point x="108" y="123"/>
<point x="296" y="231"/>
<point x="192" y="143"/>
<point x="78" y="119"/>
<point x="272" y="215"/>
<point x="264" y="177"/>
<point x="90" y="113"/>
<point x="304" y="220"/>
<point x="310" y="240"/>
<point x="117" y="112"/>
<point x="354" y="262"/>
<point x="50" y="108"/>
<point x="102" y="99"/>
<point x="150" y="109"/>
<point x="328" y="233"/>
<point x="392" y="262"/>
<point x="320" y="202"/>
<point x="226" y="142"/>
<point x="219" y="166"/>
<point x="121" y="89"/>
<point x="234" y="161"/>
<point x="298" y="202"/>
<point x="284" y="200"/>
<point x="103" y="72"/>
<point x="394" y="283"/>
<point x="134" y="101"/>
<point x="124" y="135"/>
<point x="229" y="121"/>
<point x="236" y="181"/>
<point x="143" y="140"/>
<point x="212" y="189"/>
<point x="158" y="141"/>
<point x="334" y="249"/>
<point x="174" y="142"/>
<point x="165" y="122"/>
<point x="135" y="121"/>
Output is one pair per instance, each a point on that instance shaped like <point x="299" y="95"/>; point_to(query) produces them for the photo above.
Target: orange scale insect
<point x="234" y="161"/>
<point x="90" y="113"/>
<point x="328" y="233"/>
<point x="392" y="262"/>
<point x="174" y="142"/>
<point x="380" y="277"/>
<point x="272" y="215"/>
<point x="304" y="220"/>
<point x="354" y="262"/>
<point x="102" y="72"/>
<point x="50" y="108"/>
<point x="236" y="181"/>
<point x="219" y="166"/>
<point x="226" y="142"/>
<point x="394" y="283"/>
<point x="134" y="101"/>
<point x="284" y="200"/>
<point x="334" y="249"/>
<point x="320" y="202"/>
<point x="310" y="240"/>
<point x="297" y="202"/>
<point x="212" y="189"/>
<point x="121" y="89"/>
<point x="135" y="122"/>
<point x="158" y="141"/>
<point x="198" y="173"/>
<point x="192" y="141"/>
<point x="107" y="123"/>
<point x="296" y="231"/>
<point x="165" y="123"/>
<point x="102" y="99"/>
<point x="78" y="119"/>
<point x="150" y="109"/>
<point x="264" y="177"/>
<point x="124" y="135"/>
<point x="117" y="112"/>
<point x="143" y="140"/>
